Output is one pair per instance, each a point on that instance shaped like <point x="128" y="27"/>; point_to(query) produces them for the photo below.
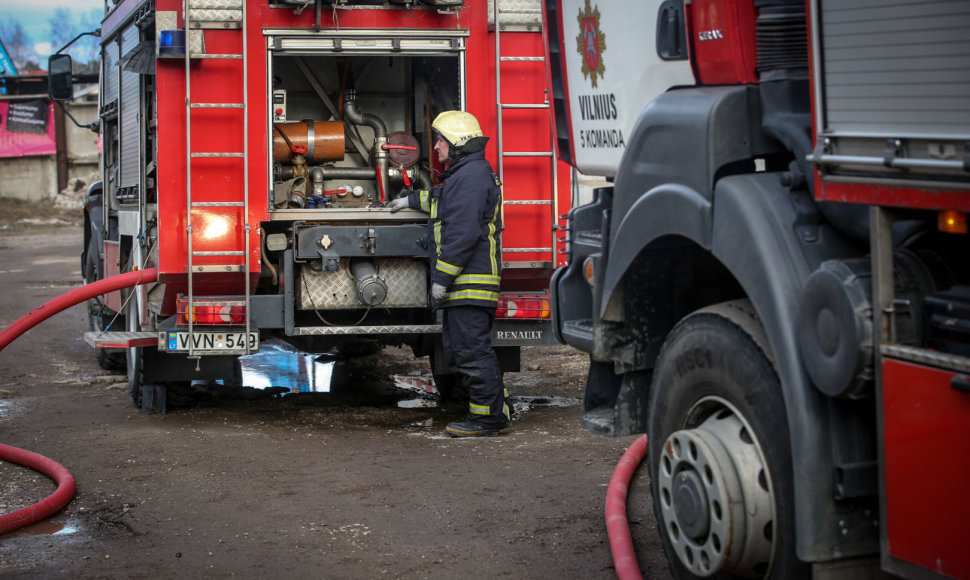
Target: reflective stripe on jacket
<point x="465" y="231"/>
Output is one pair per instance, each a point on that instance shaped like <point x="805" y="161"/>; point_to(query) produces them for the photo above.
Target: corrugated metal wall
<point x="897" y="68"/>
<point x="110" y="72"/>
<point x="128" y="115"/>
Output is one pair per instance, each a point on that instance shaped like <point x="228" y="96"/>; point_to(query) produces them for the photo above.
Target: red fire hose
<point x="76" y="296"/>
<point x="46" y="507"/>
<point x="617" y="526"/>
<point x="65" y="481"/>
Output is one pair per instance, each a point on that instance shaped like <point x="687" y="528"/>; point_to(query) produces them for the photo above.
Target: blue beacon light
<point x="171" y="43"/>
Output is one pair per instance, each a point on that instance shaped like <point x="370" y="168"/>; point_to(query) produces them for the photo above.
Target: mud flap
<point x="153" y="398"/>
<point x="630" y="410"/>
<point x="616" y="404"/>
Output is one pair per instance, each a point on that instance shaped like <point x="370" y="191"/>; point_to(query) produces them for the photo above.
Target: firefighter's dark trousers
<point x="466" y="334"/>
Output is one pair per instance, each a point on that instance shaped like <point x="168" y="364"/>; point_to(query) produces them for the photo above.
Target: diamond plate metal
<point x="387" y="329"/>
<point x="215" y="4"/>
<point x="215" y="13"/>
<point x="169" y="20"/>
<point x="205" y="17"/>
<point x="407" y="286"/>
<point x="516" y="13"/>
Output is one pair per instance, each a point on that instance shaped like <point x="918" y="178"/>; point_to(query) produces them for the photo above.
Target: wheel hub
<point x="715" y="496"/>
<point x="690" y="504"/>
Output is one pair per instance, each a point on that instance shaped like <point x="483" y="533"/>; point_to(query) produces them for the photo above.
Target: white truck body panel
<point x="613" y="71"/>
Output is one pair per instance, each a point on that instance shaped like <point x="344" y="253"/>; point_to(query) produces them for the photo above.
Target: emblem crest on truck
<point x="591" y="43"/>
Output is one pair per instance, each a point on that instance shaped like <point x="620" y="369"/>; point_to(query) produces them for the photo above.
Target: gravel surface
<point x="246" y="484"/>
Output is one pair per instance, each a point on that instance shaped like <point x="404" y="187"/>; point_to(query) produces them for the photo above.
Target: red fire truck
<point x="249" y="150"/>
<point x="775" y="286"/>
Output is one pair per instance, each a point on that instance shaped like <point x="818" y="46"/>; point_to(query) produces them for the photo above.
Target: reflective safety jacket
<point x="465" y="232"/>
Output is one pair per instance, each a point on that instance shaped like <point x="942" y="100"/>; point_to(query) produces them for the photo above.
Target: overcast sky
<point x="34" y="16"/>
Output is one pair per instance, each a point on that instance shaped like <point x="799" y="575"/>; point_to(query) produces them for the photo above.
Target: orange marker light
<point x="589" y="271"/>
<point x="952" y="222"/>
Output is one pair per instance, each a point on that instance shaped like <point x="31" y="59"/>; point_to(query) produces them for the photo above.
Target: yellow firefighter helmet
<point x="457" y="127"/>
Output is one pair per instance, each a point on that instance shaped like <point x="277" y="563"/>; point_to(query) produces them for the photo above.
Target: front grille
<point x="782" y="41"/>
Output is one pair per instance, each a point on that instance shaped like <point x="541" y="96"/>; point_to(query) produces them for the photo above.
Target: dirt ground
<point x="338" y="485"/>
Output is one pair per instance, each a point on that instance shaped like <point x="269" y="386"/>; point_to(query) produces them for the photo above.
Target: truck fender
<point x="669" y="209"/>
<point x="756" y="238"/>
<point x="756" y="230"/>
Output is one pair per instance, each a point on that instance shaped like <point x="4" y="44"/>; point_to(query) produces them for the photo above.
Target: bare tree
<point x="64" y="26"/>
<point x="90" y="46"/>
<point x="18" y="44"/>
<point x="60" y="28"/>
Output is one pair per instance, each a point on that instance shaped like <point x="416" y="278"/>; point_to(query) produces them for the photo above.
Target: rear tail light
<point x="952" y="222"/>
<point x="523" y="306"/>
<point x="212" y="312"/>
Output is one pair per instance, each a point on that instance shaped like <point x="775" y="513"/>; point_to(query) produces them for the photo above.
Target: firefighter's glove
<point x="438" y="292"/>
<point x="398" y="204"/>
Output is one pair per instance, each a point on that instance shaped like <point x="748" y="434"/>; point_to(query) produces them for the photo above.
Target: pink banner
<point x="27" y="128"/>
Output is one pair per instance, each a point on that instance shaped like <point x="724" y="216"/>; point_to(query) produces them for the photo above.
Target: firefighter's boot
<point x="488" y="412"/>
<point x="470" y="428"/>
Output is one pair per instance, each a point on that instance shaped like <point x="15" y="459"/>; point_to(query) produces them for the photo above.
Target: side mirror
<point x="60" y="83"/>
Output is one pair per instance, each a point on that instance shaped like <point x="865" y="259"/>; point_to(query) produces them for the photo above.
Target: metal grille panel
<point x="129" y="117"/>
<point x="406" y="281"/>
<point x="111" y="71"/>
<point x="885" y="76"/>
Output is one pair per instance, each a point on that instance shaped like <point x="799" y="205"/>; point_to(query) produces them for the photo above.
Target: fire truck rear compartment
<point x="352" y="131"/>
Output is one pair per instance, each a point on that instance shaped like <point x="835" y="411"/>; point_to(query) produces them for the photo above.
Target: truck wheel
<point x="168" y="394"/>
<point x="718" y="454"/>
<point x="134" y="374"/>
<point x="99" y="316"/>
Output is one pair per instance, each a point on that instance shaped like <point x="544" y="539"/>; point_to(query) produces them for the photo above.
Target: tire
<point x="718" y="430"/>
<point x="134" y="374"/>
<point x="168" y="394"/>
<point x="99" y="316"/>
<point x="359" y="349"/>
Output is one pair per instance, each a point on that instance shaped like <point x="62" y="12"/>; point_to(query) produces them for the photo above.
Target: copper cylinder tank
<point x="324" y="140"/>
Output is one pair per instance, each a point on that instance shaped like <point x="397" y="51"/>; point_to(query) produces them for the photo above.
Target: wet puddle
<point x="419" y="390"/>
<point x="278" y="365"/>
<point x="56" y="527"/>
<point x="525" y="403"/>
<point x="421" y="393"/>
<point x="48" y="528"/>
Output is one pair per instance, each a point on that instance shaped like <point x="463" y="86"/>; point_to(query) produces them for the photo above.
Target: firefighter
<point x="465" y="229"/>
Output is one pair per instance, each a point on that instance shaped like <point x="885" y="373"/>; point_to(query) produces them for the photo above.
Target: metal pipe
<point x="331" y="172"/>
<point x="422" y="179"/>
<point x="896" y="162"/>
<point x="322" y="172"/>
<point x="352" y="114"/>
<point x="418" y="177"/>
<point x="356" y="117"/>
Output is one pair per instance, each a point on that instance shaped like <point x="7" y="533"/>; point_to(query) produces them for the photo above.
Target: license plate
<point x="219" y="342"/>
